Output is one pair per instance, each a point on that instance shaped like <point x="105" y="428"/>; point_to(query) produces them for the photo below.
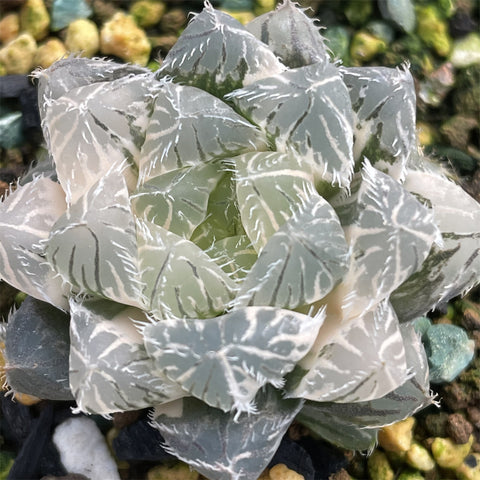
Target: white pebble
<point x="83" y="449"/>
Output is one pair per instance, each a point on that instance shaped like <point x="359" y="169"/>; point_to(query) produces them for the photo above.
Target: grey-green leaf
<point x="270" y="188"/>
<point x="37" y="346"/>
<point x="26" y="217"/>
<point x="306" y="110"/>
<point x="217" y="54"/>
<point x="383" y="101"/>
<point x="291" y="35"/>
<point x="390" y="233"/>
<point x="93" y="245"/>
<point x="401" y="12"/>
<point x="368" y="351"/>
<point x="181" y="280"/>
<point x="191" y="127"/>
<point x="225" y="360"/>
<point x="301" y="262"/>
<point x="110" y="370"/>
<point x="225" y="446"/>
<point x="177" y="200"/>
<point x="452" y="268"/>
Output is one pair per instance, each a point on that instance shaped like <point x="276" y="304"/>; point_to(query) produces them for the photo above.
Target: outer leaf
<point x="70" y="73"/>
<point x="453" y="268"/>
<point x="180" y="279"/>
<point x="390" y="233"/>
<point x="178" y="200"/>
<point x="109" y="368"/>
<point x="363" y="361"/>
<point x="26" y="217"/>
<point x="354" y="425"/>
<point x="225" y="360"/>
<point x="383" y="101"/>
<point x="301" y="262"/>
<point x="224" y="446"/>
<point x="270" y="186"/>
<point x="291" y="35"/>
<point x="306" y="110"/>
<point x="336" y="429"/>
<point x="217" y="54"/>
<point x="94" y="127"/>
<point x="36" y="351"/>
<point x="93" y="245"/>
<point x="191" y="127"/>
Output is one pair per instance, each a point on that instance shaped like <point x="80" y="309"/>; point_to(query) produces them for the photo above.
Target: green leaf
<point x="225" y="360"/>
<point x="225" y="446"/>
<point x="308" y="111"/>
<point x="301" y="262"/>
<point x="93" y="246"/>
<point x="453" y="267"/>
<point x="270" y="186"/>
<point x="94" y="127"/>
<point x="390" y="233"/>
<point x="235" y="255"/>
<point x="110" y="370"/>
<point x="383" y="101"/>
<point x="217" y="54"/>
<point x="180" y="279"/>
<point x="190" y="127"/>
<point x="177" y="200"/>
<point x="223" y="218"/>
<point x="360" y="361"/>
<point x="291" y="35"/>
<point x="26" y="217"/>
<point x="36" y="352"/>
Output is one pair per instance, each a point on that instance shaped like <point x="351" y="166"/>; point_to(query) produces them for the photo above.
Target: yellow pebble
<point x="9" y="27"/>
<point x="48" y="53"/>
<point x="179" y="471"/>
<point x="82" y="37"/>
<point x="282" y="472"/>
<point x="448" y="454"/>
<point x="379" y="467"/>
<point x="26" y="399"/>
<point x="470" y="468"/>
<point x="397" y="437"/>
<point x="418" y="457"/>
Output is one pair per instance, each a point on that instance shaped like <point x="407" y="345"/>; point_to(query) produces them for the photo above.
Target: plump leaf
<point x="181" y="280"/>
<point x="452" y="268"/>
<point x="224" y="446"/>
<point x="270" y="188"/>
<point x="217" y="54"/>
<point x="93" y="127"/>
<point x="37" y="347"/>
<point x="306" y="110"/>
<point x="362" y="361"/>
<point x="390" y="233"/>
<point x="73" y="72"/>
<point x="383" y="101"/>
<point x="336" y="429"/>
<point x="291" y="35"/>
<point x="177" y="200"/>
<point x="354" y="425"/>
<point x="26" y="217"/>
<point x="235" y="255"/>
<point x="110" y="370"/>
<point x="301" y="262"/>
<point x="190" y="127"/>
<point x="225" y="360"/>
<point x="223" y="218"/>
<point x="93" y="246"/>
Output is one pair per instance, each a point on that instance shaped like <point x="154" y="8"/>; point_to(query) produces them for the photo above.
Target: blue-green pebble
<point x="449" y="351"/>
<point x="66" y="11"/>
<point x="11" y="135"/>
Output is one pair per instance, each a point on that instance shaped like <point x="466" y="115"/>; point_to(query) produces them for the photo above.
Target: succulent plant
<point x="241" y="239"/>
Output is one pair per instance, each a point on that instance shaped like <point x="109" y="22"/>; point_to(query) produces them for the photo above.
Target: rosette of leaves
<point x="240" y="240"/>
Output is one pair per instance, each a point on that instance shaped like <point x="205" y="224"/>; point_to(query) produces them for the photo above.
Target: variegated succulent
<point x="241" y="239"/>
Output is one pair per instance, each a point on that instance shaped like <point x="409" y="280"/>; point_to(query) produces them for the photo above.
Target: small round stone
<point x="9" y="27"/>
<point x="49" y="52"/>
<point x="448" y="454"/>
<point x="282" y="472"/>
<point x="17" y="56"/>
<point x="397" y="437"/>
<point x="34" y="19"/>
<point x="82" y="37"/>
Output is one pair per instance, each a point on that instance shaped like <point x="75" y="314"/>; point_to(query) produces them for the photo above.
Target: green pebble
<point x="433" y="30"/>
<point x="449" y="351"/>
<point x="466" y="51"/>
<point x="411" y="475"/>
<point x="337" y="39"/>
<point x="6" y="463"/>
<point x="421" y="325"/>
<point x="357" y="12"/>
